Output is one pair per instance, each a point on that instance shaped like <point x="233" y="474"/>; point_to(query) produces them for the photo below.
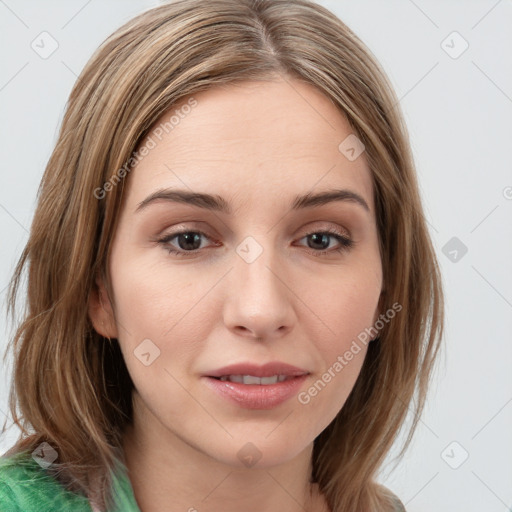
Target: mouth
<point x="257" y="387"/>
<point x="254" y="380"/>
<point x="250" y="373"/>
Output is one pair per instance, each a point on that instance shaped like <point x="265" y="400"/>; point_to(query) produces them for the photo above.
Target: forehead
<point x="264" y="137"/>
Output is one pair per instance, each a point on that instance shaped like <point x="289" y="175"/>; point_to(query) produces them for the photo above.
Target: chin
<point x="260" y="451"/>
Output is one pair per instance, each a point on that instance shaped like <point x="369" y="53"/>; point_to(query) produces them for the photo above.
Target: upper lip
<point x="266" y="370"/>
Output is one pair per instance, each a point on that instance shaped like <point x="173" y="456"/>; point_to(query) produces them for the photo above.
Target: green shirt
<point x="27" y="487"/>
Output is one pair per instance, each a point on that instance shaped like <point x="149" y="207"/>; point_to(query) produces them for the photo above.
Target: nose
<point x="259" y="301"/>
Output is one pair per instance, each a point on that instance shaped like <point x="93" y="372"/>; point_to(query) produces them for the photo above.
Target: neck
<point x="164" y="469"/>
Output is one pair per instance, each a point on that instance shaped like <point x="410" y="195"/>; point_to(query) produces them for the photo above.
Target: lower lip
<point x="257" y="396"/>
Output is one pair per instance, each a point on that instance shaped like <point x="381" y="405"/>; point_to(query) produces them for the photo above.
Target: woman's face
<point x="259" y="276"/>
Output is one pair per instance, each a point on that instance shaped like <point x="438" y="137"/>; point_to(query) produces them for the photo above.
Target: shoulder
<point x="25" y="487"/>
<point x="399" y="506"/>
<point x="393" y="501"/>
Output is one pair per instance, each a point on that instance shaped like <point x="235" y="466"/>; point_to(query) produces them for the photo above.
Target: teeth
<point x="251" y="379"/>
<point x="234" y="378"/>
<point x="269" y="380"/>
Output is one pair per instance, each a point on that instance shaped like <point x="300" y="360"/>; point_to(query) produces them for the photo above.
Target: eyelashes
<point x="182" y="236"/>
<point x="345" y="242"/>
<point x="187" y="237"/>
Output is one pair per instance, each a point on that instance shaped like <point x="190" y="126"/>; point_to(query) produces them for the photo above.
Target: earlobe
<point x="100" y="310"/>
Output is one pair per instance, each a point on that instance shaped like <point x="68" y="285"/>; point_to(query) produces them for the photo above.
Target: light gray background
<point x="459" y="114"/>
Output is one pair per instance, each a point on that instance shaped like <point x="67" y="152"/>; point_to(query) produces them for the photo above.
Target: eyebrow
<point x="217" y="203"/>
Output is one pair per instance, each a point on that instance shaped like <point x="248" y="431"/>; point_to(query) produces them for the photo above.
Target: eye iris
<point x="319" y="238"/>
<point x="189" y="238"/>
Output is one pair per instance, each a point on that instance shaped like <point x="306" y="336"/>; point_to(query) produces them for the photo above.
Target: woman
<point x="232" y="294"/>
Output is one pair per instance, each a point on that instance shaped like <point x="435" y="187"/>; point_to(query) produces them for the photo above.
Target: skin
<point x="258" y="145"/>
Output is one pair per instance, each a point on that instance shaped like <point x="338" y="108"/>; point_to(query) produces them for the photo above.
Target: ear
<point x="100" y="311"/>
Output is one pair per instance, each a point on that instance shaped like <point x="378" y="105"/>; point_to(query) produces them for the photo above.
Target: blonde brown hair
<point x="70" y="385"/>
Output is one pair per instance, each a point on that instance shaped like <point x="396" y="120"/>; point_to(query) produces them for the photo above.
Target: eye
<point x="189" y="242"/>
<point x="322" y="240"/>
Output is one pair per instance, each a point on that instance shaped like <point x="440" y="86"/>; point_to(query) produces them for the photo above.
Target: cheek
<point x="345" y="305"/>
<point x="156" y="313"/>
<point x="152" y="299"/>
<point x="341" y="355"/>
<point x="347" y="309"/>
<point x="327" y="395"/>
<point x="170" y="307"/>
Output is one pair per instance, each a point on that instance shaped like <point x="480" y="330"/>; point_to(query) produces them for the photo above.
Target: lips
<point x="265" y="371"/>
<point x="251" y="379"/>
<point x="256" y="387"/>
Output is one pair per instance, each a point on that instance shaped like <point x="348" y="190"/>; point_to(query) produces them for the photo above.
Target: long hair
<point x="70" y="385"/>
